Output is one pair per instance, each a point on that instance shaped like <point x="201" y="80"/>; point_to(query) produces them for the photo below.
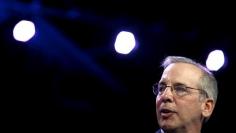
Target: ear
<point x="207" y="107"/>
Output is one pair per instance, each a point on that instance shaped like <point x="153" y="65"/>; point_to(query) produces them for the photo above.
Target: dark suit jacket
<point x="158" y="131"/>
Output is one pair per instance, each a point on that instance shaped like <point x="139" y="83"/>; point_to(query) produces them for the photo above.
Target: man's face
<point x="175" y="111"/>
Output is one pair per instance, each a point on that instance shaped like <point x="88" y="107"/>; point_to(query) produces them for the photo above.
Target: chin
<point x="167" y="125"/>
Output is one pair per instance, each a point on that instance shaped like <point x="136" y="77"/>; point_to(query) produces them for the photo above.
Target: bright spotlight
<point x="125" y="42"/>
<point x="24" y="30"/>
<point x="215" y="60"/>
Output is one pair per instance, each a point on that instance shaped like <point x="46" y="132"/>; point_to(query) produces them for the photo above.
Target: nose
<point x="167" y="95"/>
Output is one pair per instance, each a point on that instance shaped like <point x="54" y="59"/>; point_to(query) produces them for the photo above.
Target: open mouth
<point x="166" y="113"/>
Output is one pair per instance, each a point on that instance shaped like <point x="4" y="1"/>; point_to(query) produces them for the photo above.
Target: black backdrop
<point x="68" y="77"/>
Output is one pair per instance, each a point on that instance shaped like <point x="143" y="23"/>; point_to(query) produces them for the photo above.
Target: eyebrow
<point x="175" y="83"/>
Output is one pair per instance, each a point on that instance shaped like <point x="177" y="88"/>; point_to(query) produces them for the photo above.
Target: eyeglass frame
<point x="156" y="89"/>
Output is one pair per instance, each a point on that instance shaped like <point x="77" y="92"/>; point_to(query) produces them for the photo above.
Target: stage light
<point x="125" y="42"/>
<point x="215" y="60"/>
<point x="24" y="31"/>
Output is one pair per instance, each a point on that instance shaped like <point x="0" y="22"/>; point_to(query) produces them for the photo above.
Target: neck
<point x="180" y="131"/>
<point x="183" y="130"/>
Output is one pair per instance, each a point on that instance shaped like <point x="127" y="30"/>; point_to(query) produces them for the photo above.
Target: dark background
<point x="69" y="77"/>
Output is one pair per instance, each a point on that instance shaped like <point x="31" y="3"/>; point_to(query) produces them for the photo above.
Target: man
<point x="185" y="96"/>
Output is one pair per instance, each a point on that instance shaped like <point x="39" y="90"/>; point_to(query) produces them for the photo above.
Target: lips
<point x="165" y="113"/>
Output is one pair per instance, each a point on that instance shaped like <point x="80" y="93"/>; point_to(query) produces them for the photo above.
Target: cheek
<point x="158" y="102"/>
<point x="189" y="108"/>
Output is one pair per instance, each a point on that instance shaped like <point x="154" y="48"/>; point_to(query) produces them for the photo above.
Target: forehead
<point x="182" y="72"/>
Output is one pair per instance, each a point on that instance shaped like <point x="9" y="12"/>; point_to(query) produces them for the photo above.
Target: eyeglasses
<point x="178" y="89"/>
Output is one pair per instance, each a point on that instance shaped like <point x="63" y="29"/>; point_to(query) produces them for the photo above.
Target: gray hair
<point x="207" y="82"/>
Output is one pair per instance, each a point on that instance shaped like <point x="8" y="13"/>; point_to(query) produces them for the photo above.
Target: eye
<point x="180" y="88"/>
<point x="161" y="87"/>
